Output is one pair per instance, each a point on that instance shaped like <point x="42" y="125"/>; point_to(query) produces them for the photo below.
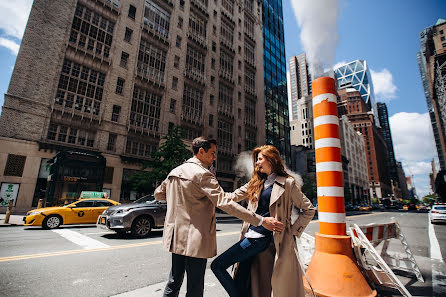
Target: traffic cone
<point x="333" y="270"/>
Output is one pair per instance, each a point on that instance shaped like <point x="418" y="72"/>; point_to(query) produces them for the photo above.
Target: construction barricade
<point x="379" y="267"/>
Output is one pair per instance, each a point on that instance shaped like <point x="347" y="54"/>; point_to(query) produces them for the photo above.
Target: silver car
<point x="138" y="217"/>
<point x="438" y="213"/>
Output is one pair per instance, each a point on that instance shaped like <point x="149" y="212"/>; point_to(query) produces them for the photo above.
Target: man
<point x="192" y="193"/>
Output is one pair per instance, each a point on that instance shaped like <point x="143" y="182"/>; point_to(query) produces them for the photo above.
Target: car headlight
<point x="119" y="211"/>
<point x="34" y="213"/>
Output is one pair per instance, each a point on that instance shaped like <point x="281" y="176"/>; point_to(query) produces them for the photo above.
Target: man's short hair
<point x="202" y="142"/>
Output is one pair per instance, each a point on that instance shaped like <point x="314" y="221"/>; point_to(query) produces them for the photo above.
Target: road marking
<point x="434" y="245"/>
<point x="73" y="252"/>
<point x="438" y="281"/>
<point x="79" y="239"/>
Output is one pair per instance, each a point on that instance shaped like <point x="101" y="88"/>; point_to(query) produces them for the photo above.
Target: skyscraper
<point x="107" y="79"/>
<point x="275" y="92"/>
<point x="387" y="134"/>
<point x="432" y="63"/>
<point x="300" y="82"/>
<point x="356" y="74"/>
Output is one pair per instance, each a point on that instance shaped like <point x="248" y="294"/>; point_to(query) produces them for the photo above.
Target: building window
<point x="225" y="99"/>
<point x="139" y="149"/>
<point x="249" y="53"/>
<point x="228" y="5"/>
<point x="80" y="86"/>
<point x="197" y="27"/>
<point x="180" y="22"/>
<point x="124" y="59"/>
<point x="224" y="136"/>
<point x="111" y="142"/>
<point x="151" y="62"/>
<point x="14" y="165"/>
<point x="195" y="63"/>
<point x="132" y="12"/>
<point x="226" y="63"/>
<point x="75" y="136"/>
<point x="250" y="84"/>
<point x="115" y="113"/>
<point x="214" y="46"/>
<point x="250" y="112"/>
<point x="211" y="120"/>
<point x="145" y="110"/>
<point x="239" y="113"/>
<point x="156" y="19"/>
<point x="178" y="42"/>
<point x="91" y="32"/>
<point x="174" y="83"/>
<point x="227" y="33"/>
<point x="108" y="175"/>
<point x="173" y="103"/>
<point x="119" y="86"/>
<point x="192" y="106"/>
<point x="213" y="63"/>
<point x="212" y="81"/>
<point x="211" y="100"/>
<point x="128" y="34"/>
<point x="176" y="62"/>
<point x="239" y="131"/>
<point x="249" y="27"/>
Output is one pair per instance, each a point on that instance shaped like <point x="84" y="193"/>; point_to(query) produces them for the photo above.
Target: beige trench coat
<point x="277" y="269"/>
<point x="192" y="193"/>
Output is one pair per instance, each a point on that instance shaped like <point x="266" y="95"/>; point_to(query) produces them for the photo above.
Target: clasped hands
<point x="272" y="224"/>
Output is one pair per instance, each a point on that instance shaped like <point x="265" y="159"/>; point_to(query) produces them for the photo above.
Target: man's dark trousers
<point x="195" y="269"/>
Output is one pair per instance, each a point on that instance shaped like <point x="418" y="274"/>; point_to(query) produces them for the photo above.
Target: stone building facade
<point x="110" y="78"/>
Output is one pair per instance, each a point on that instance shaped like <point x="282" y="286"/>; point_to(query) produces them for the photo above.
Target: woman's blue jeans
<point x="243" y="252"/>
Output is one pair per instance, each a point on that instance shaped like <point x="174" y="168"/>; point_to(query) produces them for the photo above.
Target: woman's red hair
<point x="272" y="155"/>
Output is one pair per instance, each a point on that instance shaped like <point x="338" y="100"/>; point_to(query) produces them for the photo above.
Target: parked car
<point x="83" y="211"/>
<point x="138" y="217"/>
<point x="365" y="208"/>
<point x="437" y="213"/>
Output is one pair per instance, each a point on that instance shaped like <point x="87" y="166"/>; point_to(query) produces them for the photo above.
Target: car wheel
<point x="141" y="227"/>
<point x="51" y="222"/>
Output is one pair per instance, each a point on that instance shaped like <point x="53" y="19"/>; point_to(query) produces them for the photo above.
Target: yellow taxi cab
<point x="83" y="211"/>
<point x="365" y="208"/>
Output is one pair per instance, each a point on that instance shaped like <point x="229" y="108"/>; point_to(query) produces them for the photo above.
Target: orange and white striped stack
<point x="330" y="189"/>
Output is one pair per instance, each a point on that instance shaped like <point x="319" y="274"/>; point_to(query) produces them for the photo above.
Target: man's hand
<point x="272" y="224"/>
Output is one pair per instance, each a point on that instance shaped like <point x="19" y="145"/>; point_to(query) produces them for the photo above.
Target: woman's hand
<point x="272" y="224"/>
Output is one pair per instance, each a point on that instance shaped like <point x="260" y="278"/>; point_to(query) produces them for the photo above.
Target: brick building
<point x="107" y="79"/>
<point x="351" y="104"/>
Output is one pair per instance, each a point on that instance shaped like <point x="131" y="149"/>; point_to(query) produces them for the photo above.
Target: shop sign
<point x="90" y="194"/>
<point x="8" y="192"/>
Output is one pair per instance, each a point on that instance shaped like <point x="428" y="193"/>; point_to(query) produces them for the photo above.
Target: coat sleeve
<point x="210" y="187"/>
<point x="160" y="192"/>
<point x="304" y="204"/>
<point x="240" y="194"/>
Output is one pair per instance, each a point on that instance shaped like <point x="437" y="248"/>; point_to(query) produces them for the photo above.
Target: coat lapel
<point x="278" y="189"/>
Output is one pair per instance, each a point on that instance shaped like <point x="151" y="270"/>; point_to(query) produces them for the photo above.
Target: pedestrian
<point x="268" y="260"/>
<point x="192" y="193"/>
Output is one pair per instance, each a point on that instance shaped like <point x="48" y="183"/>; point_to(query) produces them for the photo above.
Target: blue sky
<point x="385" y="33"/>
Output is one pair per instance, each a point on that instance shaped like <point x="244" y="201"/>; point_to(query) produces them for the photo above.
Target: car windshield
<point x="440" y="207"/>
<point x="146" y="199"/>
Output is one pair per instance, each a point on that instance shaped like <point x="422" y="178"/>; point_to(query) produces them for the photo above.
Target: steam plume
<point x="318" y="22"/>
<point x="244" y="167"/>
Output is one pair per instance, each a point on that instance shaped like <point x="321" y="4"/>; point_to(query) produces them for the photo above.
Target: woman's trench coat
<point x="277" y="269"/>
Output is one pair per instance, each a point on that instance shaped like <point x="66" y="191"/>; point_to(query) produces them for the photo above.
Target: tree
<point x="430" y="199"/>
<point x="171" y="153"/>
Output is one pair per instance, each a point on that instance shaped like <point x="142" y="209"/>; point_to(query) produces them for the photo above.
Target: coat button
<point x="278" y="204"/>
<point x="280" y="218"/>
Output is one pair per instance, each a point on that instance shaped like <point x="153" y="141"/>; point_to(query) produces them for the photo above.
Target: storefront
<point x="71" y="173"/>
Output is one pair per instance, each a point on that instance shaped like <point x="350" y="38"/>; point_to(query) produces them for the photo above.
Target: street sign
<point x="8" y="192"/>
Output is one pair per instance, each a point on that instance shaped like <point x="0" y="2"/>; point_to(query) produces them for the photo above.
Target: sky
<point x="385" y="33"/>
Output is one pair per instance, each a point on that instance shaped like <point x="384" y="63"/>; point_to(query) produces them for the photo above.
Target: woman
<point x="267" y="258"/>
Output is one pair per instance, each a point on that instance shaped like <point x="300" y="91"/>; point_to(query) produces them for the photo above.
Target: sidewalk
<point x="14" y="220"/>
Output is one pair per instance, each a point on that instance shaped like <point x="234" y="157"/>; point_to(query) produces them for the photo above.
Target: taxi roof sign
<point x="91" y="194"/>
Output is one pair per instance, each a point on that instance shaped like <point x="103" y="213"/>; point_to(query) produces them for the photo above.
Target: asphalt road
<point x="86" y="261"/>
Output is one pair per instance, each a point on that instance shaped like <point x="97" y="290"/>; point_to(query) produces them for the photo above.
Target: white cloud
<point x="383" y="85"/>
<point x="10" y="44"/>
<point x="414" y="146"/>
<point x="13" y="17"/>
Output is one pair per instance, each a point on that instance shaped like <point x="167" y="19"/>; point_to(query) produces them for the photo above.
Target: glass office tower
<point x="274" y="64"/>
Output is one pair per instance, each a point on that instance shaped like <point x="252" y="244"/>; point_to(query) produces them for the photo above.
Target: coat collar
<point x="196" y="161"/>
<point x="278" y="189"/>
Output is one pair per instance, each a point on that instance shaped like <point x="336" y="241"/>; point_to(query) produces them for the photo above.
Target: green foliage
<point x="309" y="187"/>
<point x="375" y="200"/>
<point x="430" y="199"/>
<point x="171" y="153"/>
